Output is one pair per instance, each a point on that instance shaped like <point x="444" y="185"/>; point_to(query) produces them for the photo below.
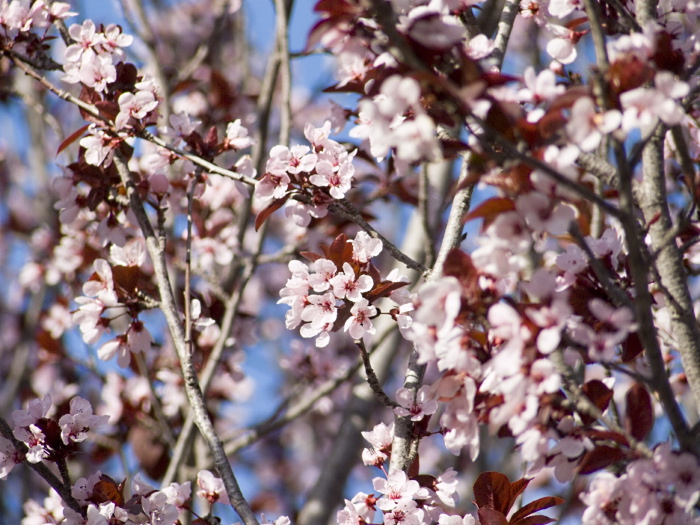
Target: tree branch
<point x="194" y="394"/>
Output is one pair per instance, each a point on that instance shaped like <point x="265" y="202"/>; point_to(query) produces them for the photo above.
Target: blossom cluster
<point x="316" y="297"/>
<point x="44" y="437"/>
<point x="91" y="59"/>
<point x="656" y="490"/>
<point x="20" y="16"/>
<point x="101" y="297"/>
<point x="321" y="172"/>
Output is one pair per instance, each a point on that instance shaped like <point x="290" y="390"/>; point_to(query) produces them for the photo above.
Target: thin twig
<point x="345" y="209"/>
<point x="194" y="394"/>
<point x="372" y="377"/>
<point x="505" y="26"/>
<point x="64" y="490"/>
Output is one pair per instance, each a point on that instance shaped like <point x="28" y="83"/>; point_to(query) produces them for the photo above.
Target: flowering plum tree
<point x="477" y="305"/>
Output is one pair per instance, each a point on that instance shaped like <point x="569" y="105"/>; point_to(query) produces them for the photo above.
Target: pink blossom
<point x="446" y="519"/>
<point x="586" y="128"/>
<point x="431" y="29"/>
<point x="339" y="181"/>
<point x="345" y="285"/>
<point x="211" y="488"/>
<point x="540" y="88"/>
<point x="36" y="410"/>
<point x="85" y="36"/>
<point x="116" y="347"/>
<point x="360" y="321"/>
<point x="416" y="407"/>
<point x="115" y="40"/>
<point x="406" y="512"/>
<point x="33" y="437"/>
<point x="397" y="488"/>
<point x="237" y="136"/>
<point x="93" y="70"/>
<point x="480" y="47"/>
<point x="563" y="8"/>
<point x="99" y="147"/>
<point x="135" y="106"/>
<point x="158" y="509"/>
<point x="178" y="494"/>
<point x="320" y="308"/>
<point x="103" y="287"/>
<point x="365" y="247"/>
<point x="561" y="47"/>
<point x="317" y="136"/>
<point x="325" y="270"/>
<point x="89" y="318"/>
<point x="319" y="328"/>
<point x="272" y="186"/>
<point x="9" y="457"/>
<point x="380" y="439"/>
<point x="416" y="139"/>
<point x="80" y="421"/>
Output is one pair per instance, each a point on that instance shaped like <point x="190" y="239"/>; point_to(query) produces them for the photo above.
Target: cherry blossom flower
<point x="365" y="247"/>
<point x="348" y="515"/>
<point x="89" y="318"/>
<point x="321" y="308"/>
<point x="9" y="457"/>
<point x="211" y="488"/>
<point x="416" y="407"/>
<point x="115" y="40"/>
<point x="539" y="88"/>
<point x="339" y="181"/>
<point x="158" y="509"/>
<point x="135" y="106"/>
<point x="406" y="512"/>
<point x="103" y="287"/>
<point x="563" y="8"/>
<point x="480" y="47"/>
<point x="34" y="438"/>
<point x="85" y="37"/>
<point x="380" y="439"/>
<point x="93" y="70"/>
<point x="99" y="147"/>
<point x="416" y="139"/>
<point x="36" y="410"/>
<point x="397" y="488"/>
<point x="237" y="136"/>
<point x="178" y="494"/>
<point x="431" y="29"/>
<point x="562" y="47"/>
<point x="360" y="322"/>
<point x="586" y="128"/>
<point x="456" y="520"/>
<point x="346" y="285"/>
<point x="76" y="424"/>
<point x="272" y="186"/>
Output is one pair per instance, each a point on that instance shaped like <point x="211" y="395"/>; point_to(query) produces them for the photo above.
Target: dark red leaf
<point x="631" y="348"/>
<point x="491" y="517"/>
<point x="600" y="457"/>
<point x="639" y="418"/>
<point x="492" y="491"/>
<point x="273" y="207"/>
<point x="490" y="209"/>
<point x="108" y="109"/>
<point x="601" y="435"/>
<point x="537" y="519"/>
<point x="599" y="394"/>
<point x="534" y="506"/>
<point x="383" y="289"/>
<point x="71" y="138"/>
<point x="311" y="256"/>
